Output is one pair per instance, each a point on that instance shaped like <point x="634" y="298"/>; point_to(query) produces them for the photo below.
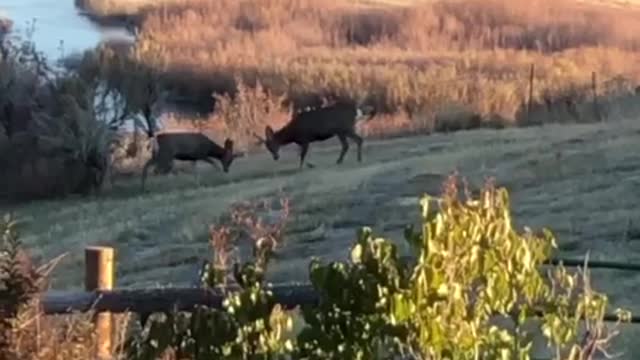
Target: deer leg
<point x="146" y="169"/>
<point x="345" y="148"/>
<point x="358" y="140"/>
<point x="304" y="148"/>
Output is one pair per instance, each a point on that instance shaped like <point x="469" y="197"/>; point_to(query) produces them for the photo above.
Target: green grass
<point x="585" y="195"/>
<point x="581" y="181"/>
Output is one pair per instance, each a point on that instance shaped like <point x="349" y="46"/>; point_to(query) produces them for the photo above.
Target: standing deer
<point x="319" y="124"/>
<point x="190" y="146"/>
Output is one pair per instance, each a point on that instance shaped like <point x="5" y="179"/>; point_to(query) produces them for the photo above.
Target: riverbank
<point x="126" y="21"/>
<point x="108" y="8"/>
<point x="116" y="13"/>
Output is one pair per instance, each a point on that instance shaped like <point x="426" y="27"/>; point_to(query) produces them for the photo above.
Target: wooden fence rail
<point x="104" y="300"/>
<point x="163" y="299"/>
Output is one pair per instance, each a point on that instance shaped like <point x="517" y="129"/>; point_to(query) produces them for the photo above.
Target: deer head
<point x="270" y="141"/>
<point x="272" y="144"/>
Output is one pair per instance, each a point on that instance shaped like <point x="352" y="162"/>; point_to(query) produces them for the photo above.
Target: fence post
<point x="99" y="275"/>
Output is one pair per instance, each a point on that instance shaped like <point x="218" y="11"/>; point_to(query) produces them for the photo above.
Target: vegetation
<point x="435" y="65"/>
<point x="429" y="66"/>
<point x="260" y="61"/>
<point x="51" y="136"/>
<point x="24" y="332"/>
<point x="472" y="266"/>
<point x="476" y="289"/>
<point x="59" y="127"/>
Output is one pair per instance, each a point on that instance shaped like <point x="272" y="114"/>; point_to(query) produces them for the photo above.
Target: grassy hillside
<point x="575" y="179"/>
<point x="578" y="180"/>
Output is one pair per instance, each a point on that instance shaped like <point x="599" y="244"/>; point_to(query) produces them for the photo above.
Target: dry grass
<point x="62" y="337"/>
<point x="25" y="331"/>
<point x="421" y="59"/>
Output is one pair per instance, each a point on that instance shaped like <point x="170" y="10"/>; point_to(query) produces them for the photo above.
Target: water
<point x="59" y="28"/>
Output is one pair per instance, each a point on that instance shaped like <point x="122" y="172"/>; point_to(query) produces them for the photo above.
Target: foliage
<point x="353" y="319"/>
<point x="126" y="90"/>
<point x="64" y="121"/>
<point x="473" y="266"/>
<point x="52" y="127"/>
<point x="24" y="332"/>
<point x="476" y="290"/>
<point x="18" y="284"/>
<point x="250" y="324"/>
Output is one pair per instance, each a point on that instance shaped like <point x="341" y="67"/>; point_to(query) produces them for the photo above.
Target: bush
<point x="59" y="127"/>
<point x="25" y="333"/>
<point x="475" y="291"/>
<point x="52" y="139"/>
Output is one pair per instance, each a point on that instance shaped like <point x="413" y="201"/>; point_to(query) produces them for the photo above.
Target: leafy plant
<point x="473" y="268"/>
<point x="476" y="291"/>
<point x="250" y="325"/>
<point x="354" y="317"/>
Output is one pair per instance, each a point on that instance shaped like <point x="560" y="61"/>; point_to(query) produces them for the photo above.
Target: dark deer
<point x="319" y="124"/>
<point x="192" y="147"/>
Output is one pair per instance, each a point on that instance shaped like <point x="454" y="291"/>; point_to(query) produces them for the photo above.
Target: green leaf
<point x="356" y="254"/>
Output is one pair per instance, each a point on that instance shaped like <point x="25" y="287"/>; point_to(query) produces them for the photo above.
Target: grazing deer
<point x="319" y="124"/>
<point x="187" y="147"/>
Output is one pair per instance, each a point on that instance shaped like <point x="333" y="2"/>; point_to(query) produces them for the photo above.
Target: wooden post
<point x="99" y="275"/>
<point x="596" y="108"/>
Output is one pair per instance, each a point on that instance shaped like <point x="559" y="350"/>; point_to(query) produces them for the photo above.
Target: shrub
<point x="250" y="325"/>
<point x="60" y="127"/>
<point x="475" y="291"/>
<point x="52" y="138"/>
<point x="25" y="333"/>
<point x="245" y="113"/>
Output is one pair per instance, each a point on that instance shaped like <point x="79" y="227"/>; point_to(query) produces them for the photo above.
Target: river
<point x="56" y="23"/>
<point x="60" y="21"/>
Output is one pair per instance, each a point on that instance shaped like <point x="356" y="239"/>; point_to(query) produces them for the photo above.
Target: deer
<point x="316" y="125"/>
<point x="189" y="146"/>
